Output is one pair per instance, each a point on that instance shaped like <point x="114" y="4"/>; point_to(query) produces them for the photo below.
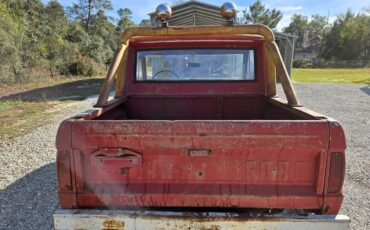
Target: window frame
<point x="254" y="48"/>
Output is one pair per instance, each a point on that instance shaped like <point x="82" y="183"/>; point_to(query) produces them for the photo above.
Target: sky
<point x="331" y="8"/>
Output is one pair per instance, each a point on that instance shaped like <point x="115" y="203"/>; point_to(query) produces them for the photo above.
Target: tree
<point x="56" y="28"/>
<point x="348" y="38"/>
<point x="297" y="26"/>
<point x="36" y="38"/>
<point x="333" y="46"/>
<point x="125" y="16"/>
<point x="30" y="48"/>
<point x="10" y="32"/>
<point x="103" y="29"/>
<point x="124" y="13"/>
<point x="318" y="24"/>
<point x="145" y="22"/>
<point x="258" y="13"/>
<point x="354" y="38"/>
<point x="85" y="9"/>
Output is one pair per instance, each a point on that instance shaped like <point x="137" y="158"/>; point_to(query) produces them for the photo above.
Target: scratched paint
<point x="221" y="144"/>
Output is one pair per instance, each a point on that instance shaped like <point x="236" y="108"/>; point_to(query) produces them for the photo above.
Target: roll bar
<point x="274" y="61"/>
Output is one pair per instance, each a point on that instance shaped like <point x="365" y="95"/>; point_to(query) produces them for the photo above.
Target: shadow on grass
<point x="29" y="202"/>
<point x="76" y="90"/>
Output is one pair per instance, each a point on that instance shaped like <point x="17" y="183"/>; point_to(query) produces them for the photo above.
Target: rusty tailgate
<point x="261" y="164"/>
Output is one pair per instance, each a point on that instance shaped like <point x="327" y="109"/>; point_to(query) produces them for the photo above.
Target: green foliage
<point x="82" y="68"/>
<point x="348" y="38"/>
<point x="43" y="40"/>
<point x="145" y="22"/>
<point x="125" y="16"/>
<point x="9" y="58"/>
<point x="318" y="24"/>
<point x="300" y="23"/>
<point x="85" y="10"/>
<point x="297" y="26"/>
<point x="258" y="13"/>
<point x="302" y="64"/>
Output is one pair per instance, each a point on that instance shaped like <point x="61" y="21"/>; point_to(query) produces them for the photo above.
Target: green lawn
<point x="332" y="75"/>
<point x="19" y="117"/>
<point x="26" y="107"/>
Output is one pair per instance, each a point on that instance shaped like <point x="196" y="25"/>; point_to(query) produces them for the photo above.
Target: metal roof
<point x="191" y="2"/>
<point x="193" y="13"/>
<point x="200" y="13"/>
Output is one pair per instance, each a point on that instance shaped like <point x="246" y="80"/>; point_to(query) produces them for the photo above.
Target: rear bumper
<point x="130" y="219"/>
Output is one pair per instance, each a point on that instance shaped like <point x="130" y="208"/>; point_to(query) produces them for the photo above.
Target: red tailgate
<point x="261" y="164"/>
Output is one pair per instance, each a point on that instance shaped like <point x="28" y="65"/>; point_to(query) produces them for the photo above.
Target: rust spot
<point x="200" y="173"/>
<point x="199" y="152"/>
<point x="213" y="227"/>
<point x="326" y="209"/>
<point x="113" y="225"/>
<point x="123" y="171"/>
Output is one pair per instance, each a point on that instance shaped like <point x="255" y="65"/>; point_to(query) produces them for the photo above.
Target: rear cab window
<point x="188" y="64"/>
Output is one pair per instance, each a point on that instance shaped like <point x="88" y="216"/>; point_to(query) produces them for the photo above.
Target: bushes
<point x="37" y="41"/>
<point x="348" y="38"/>
<point x="82" y="68"/>
<point x="302" y="64"/>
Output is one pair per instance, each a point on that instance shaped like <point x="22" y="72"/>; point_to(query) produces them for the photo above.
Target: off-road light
<point x="163" y="12"/>
<point x="229" y="11"/>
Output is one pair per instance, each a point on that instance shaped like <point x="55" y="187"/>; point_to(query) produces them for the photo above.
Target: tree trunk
<point x="16" y="75"/>
<point x="51" y="72"/>
<point x="78" y="68"/>
<point x="88" y="16"/>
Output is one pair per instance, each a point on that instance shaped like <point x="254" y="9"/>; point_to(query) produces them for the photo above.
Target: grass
<point x="19" y="117"/>
<point x="332" y="75"/>
<point x="26" y="107"/>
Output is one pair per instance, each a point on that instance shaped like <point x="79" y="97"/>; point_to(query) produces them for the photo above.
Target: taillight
<point x="336" y="173"/>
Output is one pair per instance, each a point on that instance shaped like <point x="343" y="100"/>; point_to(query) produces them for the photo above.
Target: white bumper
<point x="143" y="220"/>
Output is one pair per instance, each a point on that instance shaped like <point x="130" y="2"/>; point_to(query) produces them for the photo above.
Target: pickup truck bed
<point x="140" y="155"/>
<point x="197" y="107"/>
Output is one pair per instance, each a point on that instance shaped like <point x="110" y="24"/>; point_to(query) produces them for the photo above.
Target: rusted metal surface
<point x="265" y="163"/>
<point x="107" y="85"/>
<point x="270" y="70"/>
<point x="196" y="144"/>
<point x="239" y="169"/>
<point x="142" y="220"/>
<point x="282" y="74"/>
<point x="199" y="30"/>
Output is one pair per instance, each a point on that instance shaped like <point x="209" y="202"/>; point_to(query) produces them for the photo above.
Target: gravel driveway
<point x="28" y="178"/>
